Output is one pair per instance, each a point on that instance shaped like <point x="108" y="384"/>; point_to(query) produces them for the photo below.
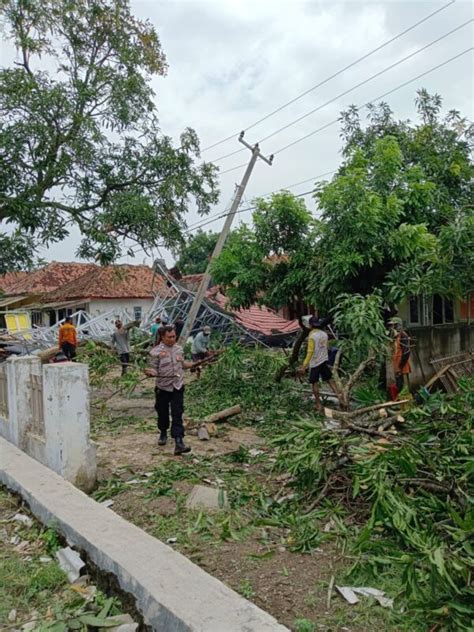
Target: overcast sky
<point x="233" y="61"/>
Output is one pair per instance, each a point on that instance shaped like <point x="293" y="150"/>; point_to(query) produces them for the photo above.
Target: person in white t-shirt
<point x="317" y="360"/>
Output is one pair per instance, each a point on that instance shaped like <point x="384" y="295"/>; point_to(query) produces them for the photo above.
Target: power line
<point x="337" y="120"/>
<point x="242" y="210"/>
<point x="198" y="224"/>
<point x="385" y="94"/>
<point x="358" y="85"/>
<point x="333" y="76"/>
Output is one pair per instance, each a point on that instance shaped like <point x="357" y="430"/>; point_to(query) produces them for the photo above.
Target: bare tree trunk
<point x="295" y="352"/>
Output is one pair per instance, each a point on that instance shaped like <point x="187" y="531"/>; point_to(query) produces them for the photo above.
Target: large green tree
<point x="398" y="217"/>
<point x="80" y="143"/>
<point x="268" y="263"/>
<point x="195" y="253"/>
<point x="399" y="213"/>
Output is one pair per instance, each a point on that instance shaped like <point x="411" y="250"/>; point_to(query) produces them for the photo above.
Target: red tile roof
<point x="116" y="281"/>
<point x="191" y="281"/>
<point x="10" y="279"/>
<point x="52" y="276"/>
<point x="256" y="318"/>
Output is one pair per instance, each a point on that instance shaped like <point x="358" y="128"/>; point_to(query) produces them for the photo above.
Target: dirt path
<point x="149" y="487"/>
<point x="140" y="451"/>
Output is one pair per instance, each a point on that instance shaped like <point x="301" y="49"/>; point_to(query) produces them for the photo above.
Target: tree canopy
<point x="194" y="254"/>
<point x="80" y="143"/>
<point x="269" y="262"/>
<point x="397" y="217"/>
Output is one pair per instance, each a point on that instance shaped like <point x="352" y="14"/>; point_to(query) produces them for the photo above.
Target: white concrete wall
<point x="62" y="441"/>
<point x="102" y="306"/>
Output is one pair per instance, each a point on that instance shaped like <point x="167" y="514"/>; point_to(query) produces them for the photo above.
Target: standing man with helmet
<point x="317" y="360"/>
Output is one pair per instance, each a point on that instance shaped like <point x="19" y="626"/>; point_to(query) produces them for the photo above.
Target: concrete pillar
<point x="69" y="451"/>
<point x="19" y="373"/>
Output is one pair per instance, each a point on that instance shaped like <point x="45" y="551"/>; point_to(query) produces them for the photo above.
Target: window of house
<point x="137" y="313"/>
<point x="448" y="310"/>
<point x="433" y="310"/>
<point x="438" y="312"/>
<point x="443" y="310"/>
<point x="415" y="315"/>
<point x="37" y="319"/>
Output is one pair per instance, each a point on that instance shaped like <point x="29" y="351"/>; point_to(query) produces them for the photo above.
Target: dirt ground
<point x="140" y="450"/>
<point x="291" y="586"/>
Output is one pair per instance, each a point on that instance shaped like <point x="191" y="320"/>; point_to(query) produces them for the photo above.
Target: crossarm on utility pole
<point x="203" y="286"/>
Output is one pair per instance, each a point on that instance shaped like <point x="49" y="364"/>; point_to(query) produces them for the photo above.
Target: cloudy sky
<point x="231" y="62"/>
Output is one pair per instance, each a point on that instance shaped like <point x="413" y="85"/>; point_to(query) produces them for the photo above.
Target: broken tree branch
<point x="224" y="414"/>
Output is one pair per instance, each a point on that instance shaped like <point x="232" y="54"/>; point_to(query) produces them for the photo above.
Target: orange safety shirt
<point x="67" y="333"/>
<point x="397" y="355"/>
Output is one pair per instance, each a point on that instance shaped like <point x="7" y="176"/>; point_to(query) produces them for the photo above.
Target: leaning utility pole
<point x="200" y="294"/>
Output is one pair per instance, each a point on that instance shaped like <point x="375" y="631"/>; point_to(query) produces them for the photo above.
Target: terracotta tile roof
<point x="116" y="281"/>
<point x="10" y="279"/>
<point x="260" y="319"/>
<point x="191" y="281"/>
<point x="52" y="276"/>
<point x="256" y="318"/>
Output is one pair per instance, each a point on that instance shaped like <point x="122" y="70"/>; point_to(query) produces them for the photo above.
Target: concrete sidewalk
<point x="172" y="593"/>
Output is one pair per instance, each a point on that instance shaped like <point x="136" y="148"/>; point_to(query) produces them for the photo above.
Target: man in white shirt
<point x="317" y="360"/>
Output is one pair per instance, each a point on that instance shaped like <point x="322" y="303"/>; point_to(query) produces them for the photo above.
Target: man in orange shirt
<point x="401" y="353"/>
<point x="68" y="338"/>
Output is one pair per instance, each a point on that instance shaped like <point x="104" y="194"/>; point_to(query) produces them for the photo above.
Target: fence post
<point x="19" y="373"/>
<point x="67" y="423"/>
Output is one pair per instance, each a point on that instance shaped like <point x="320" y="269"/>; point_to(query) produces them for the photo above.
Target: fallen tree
<point x="404" y="493"/>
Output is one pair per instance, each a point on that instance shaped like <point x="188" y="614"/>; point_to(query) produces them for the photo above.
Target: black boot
<point x="163" y="438"/>
<point x="180" y="448"/>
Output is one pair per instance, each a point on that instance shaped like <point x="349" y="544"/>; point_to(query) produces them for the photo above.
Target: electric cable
<point x="358" y="85"/>
<point x="333" y="76"/>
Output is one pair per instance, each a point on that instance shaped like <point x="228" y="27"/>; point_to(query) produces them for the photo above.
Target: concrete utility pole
<point x="200" y="294"/>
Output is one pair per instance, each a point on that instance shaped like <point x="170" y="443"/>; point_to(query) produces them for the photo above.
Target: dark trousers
<point x="125" y="360"/>
<point x="69" y="350"/>
<point x="164" y="400"/>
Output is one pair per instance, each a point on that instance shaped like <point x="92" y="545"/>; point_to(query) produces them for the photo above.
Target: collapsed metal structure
<point x="176" y="302"/>
<point x="173" y="300"/>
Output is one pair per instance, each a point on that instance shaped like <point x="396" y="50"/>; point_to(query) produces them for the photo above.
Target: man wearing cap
<point x="200" y="346"/>
<point x="317" y="359"/>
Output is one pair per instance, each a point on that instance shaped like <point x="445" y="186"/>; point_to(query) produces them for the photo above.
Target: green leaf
<point x="98" y="622"/>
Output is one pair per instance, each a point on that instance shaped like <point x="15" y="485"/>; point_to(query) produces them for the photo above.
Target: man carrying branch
<point x="167" y="364"/>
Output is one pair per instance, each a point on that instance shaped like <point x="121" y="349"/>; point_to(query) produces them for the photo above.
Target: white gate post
<point x="69" y="450"/>
<point x="19" y="372"/>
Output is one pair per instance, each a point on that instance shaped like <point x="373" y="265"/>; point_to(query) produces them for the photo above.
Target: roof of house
<point x="256" y="318"/>
<point x="9" y="279"/>
<point x="116" y="281"/>
<point x="52" y="276"/>
<point x="191" y="281"/>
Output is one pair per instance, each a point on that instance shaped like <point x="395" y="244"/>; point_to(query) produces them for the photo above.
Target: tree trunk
<point x="295" y="352"/>
<point x="222" y="415"/>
